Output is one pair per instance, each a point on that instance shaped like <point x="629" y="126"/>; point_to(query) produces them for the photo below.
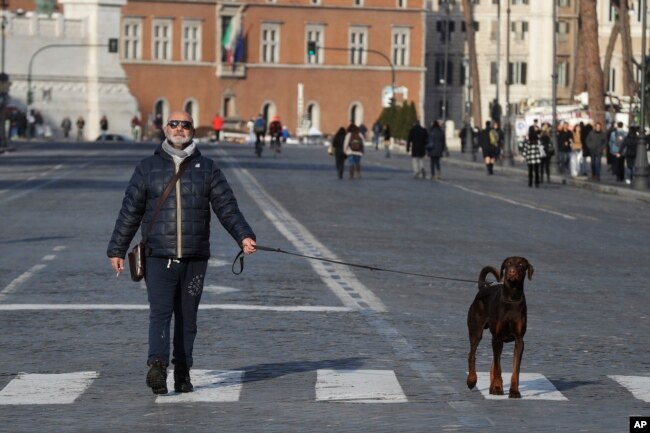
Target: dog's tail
<point x="484" y="272"/>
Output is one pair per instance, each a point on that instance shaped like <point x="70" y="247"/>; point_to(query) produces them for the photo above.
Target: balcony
<point x="235" y="70"/>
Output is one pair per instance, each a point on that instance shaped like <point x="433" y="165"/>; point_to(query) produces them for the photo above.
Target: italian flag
<point x="229" y="41"/>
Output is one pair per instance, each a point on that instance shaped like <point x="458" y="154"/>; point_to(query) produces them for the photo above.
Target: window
<point x="564" y="3"/>
<point x="517" y="72"/>
<point x="494" y="29"/>
<point x="563" y="29"/>
<point x="463" y="73"/>
<point x="162" y="40"/>
<point x="192" y="107"/>
<point x="358" y="45"/>
<point x="315" y="33"/>
<point x="463" y="29"/>
<point x="563" y="73"/>
<point x="192" y="41"/>
<point x="357" y="2"/>
<point x="270" y="51"/>
<point x="315" y="2"/>
<point x="611" y="83"/>
<point x="450" y="27"/>
<point x="132" y="39"/>
<point x="356" y="113"/>
<point x="161" y="108"/>
<point x="493" y="72"/>
<point x="520" y="30"/>
<point x="401" y="4"/>
<point x="400" y="50"/>
<point x="519" y="2"/>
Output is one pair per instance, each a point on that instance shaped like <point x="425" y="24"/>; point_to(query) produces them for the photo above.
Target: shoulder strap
<point x="165" y="193"/>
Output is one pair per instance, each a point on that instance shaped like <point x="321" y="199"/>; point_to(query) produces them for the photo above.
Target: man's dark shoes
<point x="182" y="381"/>
<point x="157" y="377"/>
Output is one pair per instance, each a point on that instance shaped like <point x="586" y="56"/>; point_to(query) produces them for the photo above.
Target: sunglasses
<point x="185" y="124"/>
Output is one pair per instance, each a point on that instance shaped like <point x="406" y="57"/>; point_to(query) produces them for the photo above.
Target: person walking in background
<point x="217" y="126"/>
<point x="178" y="243"/>
<point x="576" y="150"/>
<point x="435" y="148"/>
<point x="546" y="153"/>
<point x="488" y="142"/>
<point x="250" y="127"/>
<point x="376" y="134"/>
<point x="353" y="148"/>
<point x="81" y="123"/>
<point x="386" y="137"/>
<point x="500" y="139"/>
<point x="417" y="145"/>
<point x="584" y="132"/>
<point x="338" y="143"/>
<point x="564" y="141"/>
<point x="615" y="143"/>
<point x="628" y="150"/>
<point x="596" y="143"/>
<point x="275" y="131"/>
<point x="103" y="127"/>
<point x="66" y="126"/>
<point x="259" y="127"/>
<point x="533" y="159"/>
<point x="136" y="128"/>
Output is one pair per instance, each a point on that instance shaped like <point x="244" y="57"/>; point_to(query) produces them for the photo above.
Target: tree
<point x="589" y="38"/>
<point x="470" y="34"/>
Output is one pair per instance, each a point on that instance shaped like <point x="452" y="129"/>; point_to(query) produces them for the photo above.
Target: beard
<point x="179" y="141"/>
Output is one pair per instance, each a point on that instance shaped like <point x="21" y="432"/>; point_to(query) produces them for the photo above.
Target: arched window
<point x="268" y="111"/>
<point x="192" y="108"/>
<point x="161" y="107"/>
<point x="356" y="113"/>
<point x="313" y="115"/>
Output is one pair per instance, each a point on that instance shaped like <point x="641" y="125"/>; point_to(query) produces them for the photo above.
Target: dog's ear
<point x="502" y="270"/>
<point x="530" y="271"/>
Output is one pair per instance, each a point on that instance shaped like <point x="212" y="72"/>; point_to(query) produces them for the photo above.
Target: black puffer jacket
<point x="202" y="186"/>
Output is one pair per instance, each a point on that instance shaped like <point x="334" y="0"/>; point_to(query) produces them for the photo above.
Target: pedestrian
<point x="275" y="131"/>
<point x="628" y="150"/>
<point x="500" y="139"/>
<point x="488" y="142"/>
<point x="177" y="245"/>
<point x="584" y="132"/>
<point x="546" y="153"/>
<point x="31" y="124"/>
<point x="66" y="126"/>
<point x="576" y="150"/>
<point x="353" y="148"/>
<point x="618" y="160"/>
<point x="81" y="123"/>
<point x="217" y="126"/>
<point x="596" y="143"/>
<point x="250" y="125"/>
<point x="376" y="133"/>
<point x="564" y="141"/>
<point x="339" y="154"/>
<point x="436" y="147"/>
<point x="259" y="128"/>
<point x="386" y="137"/>
<point x="532" y="157"/>
<point x="103" y="127"/>
<point x="136" y="129"/>
<point x="417" y="145"/>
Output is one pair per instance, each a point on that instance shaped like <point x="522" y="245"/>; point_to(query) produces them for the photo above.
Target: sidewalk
<point x="607" y="185"/>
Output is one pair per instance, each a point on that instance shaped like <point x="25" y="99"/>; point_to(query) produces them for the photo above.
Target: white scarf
<point x="178" y="155"/>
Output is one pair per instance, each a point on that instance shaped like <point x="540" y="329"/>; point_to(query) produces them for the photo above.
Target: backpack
<point x="259" y="126"/>
<point x="356" y="142"/>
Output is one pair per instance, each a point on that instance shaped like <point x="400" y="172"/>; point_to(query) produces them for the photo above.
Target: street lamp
<point x="640" y="178"/>
<point x="469" y="134"/>
<point x="4" y="85"/>
<point x="508" y="124"/>
<point x="444" y="68"/>
<point x="554" y="143"/>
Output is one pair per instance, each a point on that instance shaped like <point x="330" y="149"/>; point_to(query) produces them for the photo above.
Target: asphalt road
<point x="297" y="345"/>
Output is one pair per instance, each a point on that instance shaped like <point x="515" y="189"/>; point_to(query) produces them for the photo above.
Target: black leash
<point x="240" y="256"/>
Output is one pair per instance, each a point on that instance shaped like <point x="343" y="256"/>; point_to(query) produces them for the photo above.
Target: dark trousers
<point x="173" y="287"/>
<point x="340" y="164"/>
<point x="545" y="167"/>
<point x="533" y="168"/>
<point x="435" y="164"/>
<point x="618" y="167"/>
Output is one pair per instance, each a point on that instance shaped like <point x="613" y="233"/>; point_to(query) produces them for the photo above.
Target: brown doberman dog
<point x="502" y="308"/>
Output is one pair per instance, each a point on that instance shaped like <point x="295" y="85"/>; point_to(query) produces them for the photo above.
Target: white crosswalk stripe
<point x="639" y="386"/>
<point x="62" y="388"/>
<point x="359" y="386"/>
<point x="532" y="386"/>
<point x="219" y="386"/>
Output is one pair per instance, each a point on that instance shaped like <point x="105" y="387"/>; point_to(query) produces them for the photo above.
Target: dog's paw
<point x="514" y="394"/>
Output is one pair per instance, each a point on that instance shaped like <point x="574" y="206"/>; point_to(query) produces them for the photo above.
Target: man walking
<point x="177" y="245"/>
<point x="417" y="145"/>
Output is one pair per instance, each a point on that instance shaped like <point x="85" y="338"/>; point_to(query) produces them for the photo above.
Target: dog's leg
<point x="516" y="364"/>
<point x="475" y="335"/>
<point x="496" y="382"/>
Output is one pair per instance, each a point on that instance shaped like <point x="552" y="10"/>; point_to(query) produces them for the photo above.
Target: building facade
<point x="239" y="59"/>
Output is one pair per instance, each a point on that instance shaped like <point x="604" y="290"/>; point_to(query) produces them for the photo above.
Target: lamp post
<point x="4" y="85"/>
<point x="508" y="123"/>
<point x="641" y="173"/>
<point x="555" y="167"/>
<point x="469" y="134"/>
<point x="496" y="108"/>
<point x="444" y="67"/>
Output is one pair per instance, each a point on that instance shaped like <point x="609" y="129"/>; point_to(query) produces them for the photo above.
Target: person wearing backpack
<point x="259" y="127"/>
<point x="353" y="148"/>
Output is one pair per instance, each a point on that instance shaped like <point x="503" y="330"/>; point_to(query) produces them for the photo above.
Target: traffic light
<point x="311" y="48"/>
<point x="112" y="45"/>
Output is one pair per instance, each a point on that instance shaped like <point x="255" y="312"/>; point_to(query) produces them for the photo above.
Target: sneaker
<point x="182" y="382"/>
<point x="157" y="377"/>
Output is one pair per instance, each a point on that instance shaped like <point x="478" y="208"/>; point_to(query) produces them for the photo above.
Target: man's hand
<point x="118" y="265"/>
<point x="248" y="246"/>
